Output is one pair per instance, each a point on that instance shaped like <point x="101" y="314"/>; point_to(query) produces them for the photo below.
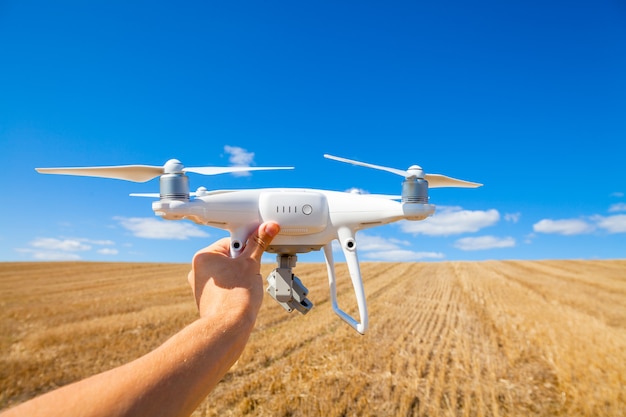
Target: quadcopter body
<point x="310" y="219"/>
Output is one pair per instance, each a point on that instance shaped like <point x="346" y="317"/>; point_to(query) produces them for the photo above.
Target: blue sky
<point x="526" y="97"/>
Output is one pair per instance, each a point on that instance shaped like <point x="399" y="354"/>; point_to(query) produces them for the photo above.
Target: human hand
<point x="223" y="284"/>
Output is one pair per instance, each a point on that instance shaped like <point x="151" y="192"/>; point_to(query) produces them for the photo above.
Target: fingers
<point x="260" y="240"/>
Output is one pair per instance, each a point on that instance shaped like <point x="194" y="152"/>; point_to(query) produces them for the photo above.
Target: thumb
<point x="260" y="240"/>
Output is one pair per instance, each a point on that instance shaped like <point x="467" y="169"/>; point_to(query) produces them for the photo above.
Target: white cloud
<point x="512" y="217"/>
<point x="355" y="190"/>
<point x="452" y="220"/>
<point x="64" y="249"/>
<point x="378" y="248"/>
<point x="401" y="255"/>
<point x="617" y="194"/>
<point x="108" y="251"/>
<point x="98" y="242"/>
<point x="378" y="243"/>
<point x="154" y="228"/>
<point x="612" y="224"/>
<point x="567" y="227"/>
<point x="50" y="255"/>
<point x="56" y="256"/>
<point x="63" y="245"/>
<point x="239" y="157"/>
<point x="617" y="207"/>
<point x="484" y="242"/>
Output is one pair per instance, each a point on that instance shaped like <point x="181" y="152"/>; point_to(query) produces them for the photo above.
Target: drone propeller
<point x="200" y="192"/>
<point x="415" y="171"/>
<point x="143" y="173"/>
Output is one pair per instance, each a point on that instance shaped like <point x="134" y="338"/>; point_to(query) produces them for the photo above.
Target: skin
<point x="173" y="379"/>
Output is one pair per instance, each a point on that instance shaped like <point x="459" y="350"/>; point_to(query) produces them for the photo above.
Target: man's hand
<point x="221" y="283"/>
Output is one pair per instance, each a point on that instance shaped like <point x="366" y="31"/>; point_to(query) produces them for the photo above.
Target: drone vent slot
<point x="287" y="209"/>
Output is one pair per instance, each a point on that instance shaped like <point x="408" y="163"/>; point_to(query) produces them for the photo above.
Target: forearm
<point x="169" y="381"/>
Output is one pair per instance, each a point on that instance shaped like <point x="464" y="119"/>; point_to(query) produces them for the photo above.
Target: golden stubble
<point x="494" y="338"/>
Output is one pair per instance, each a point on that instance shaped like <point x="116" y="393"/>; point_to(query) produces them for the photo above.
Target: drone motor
<point x="415" y="190"/>
<point x="173" y="183"/>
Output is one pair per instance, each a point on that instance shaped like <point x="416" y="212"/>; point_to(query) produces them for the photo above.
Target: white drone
<point x="309" y="219"/>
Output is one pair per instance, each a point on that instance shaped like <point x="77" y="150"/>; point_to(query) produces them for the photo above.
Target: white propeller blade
<point x="434" y="180"/>
<point x="363" y="164"/>
<point x="226" y="170"/>
<point x="150" y="195"/>
<point x="203" y="193"/>
<point x="143" y="173"/>
<point x="440" y="181"/>
<point x="136" y="173"/>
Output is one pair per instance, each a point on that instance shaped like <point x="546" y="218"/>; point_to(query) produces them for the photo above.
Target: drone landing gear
<point x="286" y="288"/>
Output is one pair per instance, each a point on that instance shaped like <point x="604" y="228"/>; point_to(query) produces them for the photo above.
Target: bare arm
<point x="173" y="379"/>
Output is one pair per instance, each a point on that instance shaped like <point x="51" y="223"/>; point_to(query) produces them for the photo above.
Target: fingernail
<point x="272" y="229"/>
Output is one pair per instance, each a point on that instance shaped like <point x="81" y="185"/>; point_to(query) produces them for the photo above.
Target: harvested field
<point x="495" y="338"/>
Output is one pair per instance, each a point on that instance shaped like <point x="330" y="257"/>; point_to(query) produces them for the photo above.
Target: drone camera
<point x="286" y="288"/>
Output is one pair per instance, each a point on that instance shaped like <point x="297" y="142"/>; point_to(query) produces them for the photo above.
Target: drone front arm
<point x="348" y="245"/>
<point x="238" y="236"/>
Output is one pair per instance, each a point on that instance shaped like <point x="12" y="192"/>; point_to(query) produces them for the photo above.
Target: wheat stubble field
<point x="494" y="338"/>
